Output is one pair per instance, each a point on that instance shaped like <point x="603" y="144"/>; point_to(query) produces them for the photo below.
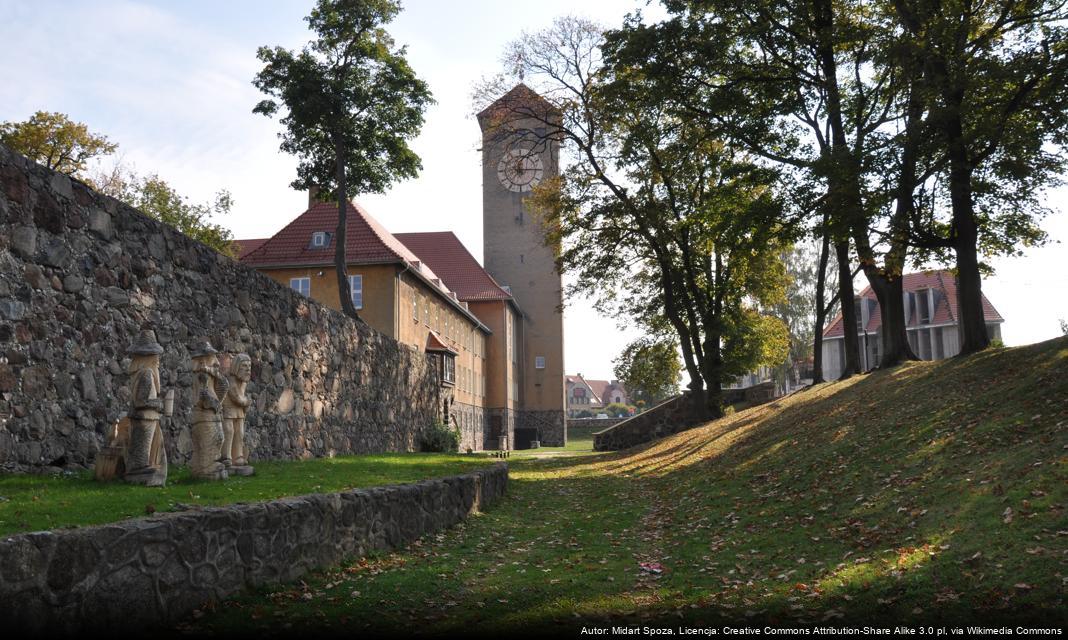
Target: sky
<point x="170" y="82"/>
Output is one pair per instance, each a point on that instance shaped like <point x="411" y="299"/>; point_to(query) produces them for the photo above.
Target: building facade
<point x="517" y="154"/>
<point x="395" y="293"/>
<point x="496" y="332"/>
<point x="932" y="327"/>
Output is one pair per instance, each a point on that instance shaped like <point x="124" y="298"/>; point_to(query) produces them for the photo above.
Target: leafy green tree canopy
<point x="57" y="142"/>
<point x="157" y="199"/>
<point x="649" y="369"/>
<point x="351" y="101"/>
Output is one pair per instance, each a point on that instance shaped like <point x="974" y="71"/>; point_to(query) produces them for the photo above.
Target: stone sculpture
<point x="146" y="457"/>
<point x="235" y="406"/>
<point x="209" y="387"/>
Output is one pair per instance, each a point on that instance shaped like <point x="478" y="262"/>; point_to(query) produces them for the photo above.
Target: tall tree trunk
<point x="821" y="307"/>
<point x="340" y="234"/>
<point x="974" y="336"/>
<point x="849" y="312"/>
<point x="843" y="186"/>
<point x="894" y="332"/>
<point x="972" y="320"/>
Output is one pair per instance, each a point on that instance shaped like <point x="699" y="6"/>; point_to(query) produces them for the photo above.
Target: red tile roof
<point x="245" y="247"/>
<point x="367" y="241"/>
<point x="443" y="252"/>
<point x="599" y="388"/>
<point x="945" y="309"/>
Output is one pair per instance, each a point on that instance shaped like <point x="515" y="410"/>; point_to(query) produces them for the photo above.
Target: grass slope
<point x="931" y="492"/>
<point x="35" y="502"/>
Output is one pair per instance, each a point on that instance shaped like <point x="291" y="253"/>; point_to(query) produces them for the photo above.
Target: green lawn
<point x="35" y="502"/>
<point x="933" y="491"/>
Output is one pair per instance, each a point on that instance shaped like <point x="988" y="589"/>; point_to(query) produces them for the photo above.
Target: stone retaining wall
<point x="135" y="574"/>
<point x="551" y="426"/>
<point x="81" y="273"/>
<point x="666" y="418"/>
<point x="594" y="423"/>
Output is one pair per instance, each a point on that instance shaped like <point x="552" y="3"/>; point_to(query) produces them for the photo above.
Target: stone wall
<point x="551" y="426"/>
<point x="471" y="421"/>
<point x="593" y="423"/>
<point x="81" y="273"/>
<point x="135" y="574"/>
<point x="666" y="418"/>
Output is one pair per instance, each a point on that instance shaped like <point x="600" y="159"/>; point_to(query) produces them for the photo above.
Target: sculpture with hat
<point x="145" y="460"/>
<point x="209" y="387"/>
<point x="235" y="406"/>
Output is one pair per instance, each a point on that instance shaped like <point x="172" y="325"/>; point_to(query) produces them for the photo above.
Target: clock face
<point x="520" y="170"/>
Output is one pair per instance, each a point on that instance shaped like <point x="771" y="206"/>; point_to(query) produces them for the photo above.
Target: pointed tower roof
<point x="520" y="102"/>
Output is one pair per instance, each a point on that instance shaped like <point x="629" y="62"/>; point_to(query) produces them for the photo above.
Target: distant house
<point x="592" y="395"/>
<point x="931" y="323"/>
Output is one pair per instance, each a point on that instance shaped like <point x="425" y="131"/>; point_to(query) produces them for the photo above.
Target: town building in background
<point x="495" y="331"/>
<point x="930" y="317"/>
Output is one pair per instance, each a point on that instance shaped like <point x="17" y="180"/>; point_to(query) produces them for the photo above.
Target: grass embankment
<point x="929" y="492"/>
<point x="33" y="502"/>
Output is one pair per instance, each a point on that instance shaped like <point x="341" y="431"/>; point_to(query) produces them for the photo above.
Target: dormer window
<point x="923" y="306"/>
<point x="320" y="239"/>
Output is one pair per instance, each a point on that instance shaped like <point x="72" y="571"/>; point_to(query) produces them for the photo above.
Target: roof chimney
<point x="313" y="196"/>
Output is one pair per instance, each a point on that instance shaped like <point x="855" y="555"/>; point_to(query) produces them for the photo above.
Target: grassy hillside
<point x="931" y="492"/>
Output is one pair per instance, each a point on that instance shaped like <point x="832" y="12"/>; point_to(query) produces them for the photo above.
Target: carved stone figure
<point x="235" y="406"/>
<point x="209" y="387"/>
<point x="146" y="457"/>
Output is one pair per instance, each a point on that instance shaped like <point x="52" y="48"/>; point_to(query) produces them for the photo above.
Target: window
<point x="301" y="286"/>
<point x="858" y="307"/>
<point x="426" y="311"/>
<point x="579" y="392"/>
<point x="923" y="306"/>
<point x="320" y="239"/>
<point x="356" y="285"/>
<point x="415" y="306"/>
<point x="539" y="362"/>
<point x="448" y="368"/>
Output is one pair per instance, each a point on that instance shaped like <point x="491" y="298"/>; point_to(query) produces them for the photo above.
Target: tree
<point x="656" y="217"/>
<point x="649" y="369"/>
<point x="157" y="199"/>
<point x="801" y="85"/>
<point x="352" y="103"/>
<point x="57" y="142"/>
<point x="993" y="78"/>
<point x="805" y="306"/>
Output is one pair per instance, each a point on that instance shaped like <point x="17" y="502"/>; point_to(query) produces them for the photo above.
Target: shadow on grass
<point x="933" y="492"/>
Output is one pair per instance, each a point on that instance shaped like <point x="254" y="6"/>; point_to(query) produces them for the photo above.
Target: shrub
<point x="440" y="438"/>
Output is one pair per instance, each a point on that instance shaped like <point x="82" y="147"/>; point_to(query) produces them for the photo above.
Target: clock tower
<point x="517" y="154"/>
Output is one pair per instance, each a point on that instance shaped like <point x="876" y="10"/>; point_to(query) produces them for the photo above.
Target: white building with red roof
<point x="930" y="317"/>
